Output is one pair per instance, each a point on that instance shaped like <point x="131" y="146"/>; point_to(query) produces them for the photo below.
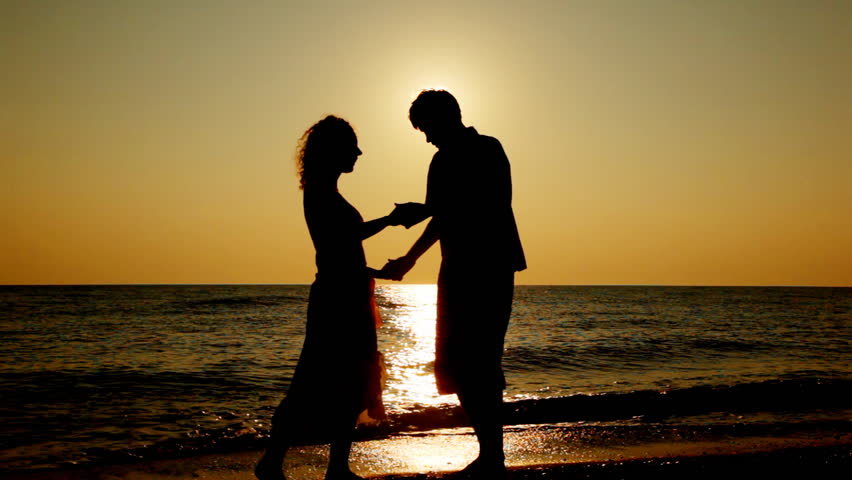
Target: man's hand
<point x="408" y="214"/>
<point x="396" y="269"/>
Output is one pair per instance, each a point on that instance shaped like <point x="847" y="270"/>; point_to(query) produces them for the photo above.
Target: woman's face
<point x="349" y="153"/>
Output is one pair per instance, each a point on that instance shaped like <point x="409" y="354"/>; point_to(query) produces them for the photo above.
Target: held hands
<point x="395" y="269"/>
<point x="408" y="214"/>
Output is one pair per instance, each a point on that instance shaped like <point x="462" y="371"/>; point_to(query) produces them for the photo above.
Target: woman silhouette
<point x="338" y="373"/>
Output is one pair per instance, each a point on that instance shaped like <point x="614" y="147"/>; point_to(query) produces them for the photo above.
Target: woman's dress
<point x="338" y="374"/>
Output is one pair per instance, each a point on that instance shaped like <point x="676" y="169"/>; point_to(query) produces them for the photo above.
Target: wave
<point x="113" y="380"/>
<point x="244" y="301"/>
<point x="626" y="353"/>
<point x="103" y="302"/>
<point x="799" y="395"/>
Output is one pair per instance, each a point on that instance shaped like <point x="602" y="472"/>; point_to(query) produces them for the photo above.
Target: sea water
<point x="112" y="373"/>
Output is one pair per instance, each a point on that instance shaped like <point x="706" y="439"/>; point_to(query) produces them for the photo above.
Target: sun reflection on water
<point x="407" y="339"/>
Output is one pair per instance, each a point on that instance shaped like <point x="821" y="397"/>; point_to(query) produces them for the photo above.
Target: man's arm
<point x="425" y="242"/>
<point x="396" y="269"/>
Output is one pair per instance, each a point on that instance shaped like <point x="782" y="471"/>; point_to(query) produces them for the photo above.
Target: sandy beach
<point x="541" y="452"/>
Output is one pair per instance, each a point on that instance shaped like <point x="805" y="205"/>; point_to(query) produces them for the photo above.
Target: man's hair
<point x="434" y="106"/>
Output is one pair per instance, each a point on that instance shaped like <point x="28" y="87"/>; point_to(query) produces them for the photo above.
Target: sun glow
<point x="415" y="93"/>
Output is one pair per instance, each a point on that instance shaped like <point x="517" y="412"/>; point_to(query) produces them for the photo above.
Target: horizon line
<point x="414" y="284"/>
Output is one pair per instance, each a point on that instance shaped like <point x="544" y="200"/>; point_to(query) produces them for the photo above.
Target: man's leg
<point x="484" y="410"/>
<point x="484" y="403"/>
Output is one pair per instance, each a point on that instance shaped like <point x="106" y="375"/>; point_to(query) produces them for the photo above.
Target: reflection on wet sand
<point x="448" y="450"/>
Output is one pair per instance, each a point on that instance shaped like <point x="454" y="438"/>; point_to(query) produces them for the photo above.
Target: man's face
<point x="435" y="134"/>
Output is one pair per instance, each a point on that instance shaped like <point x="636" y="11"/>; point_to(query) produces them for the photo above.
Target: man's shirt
<point x="469" y="193"/>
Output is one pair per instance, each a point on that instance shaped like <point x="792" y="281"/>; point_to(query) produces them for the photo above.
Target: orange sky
<point x="654" y="142"/>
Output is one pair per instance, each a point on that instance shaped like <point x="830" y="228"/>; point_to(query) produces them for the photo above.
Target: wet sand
<point x="533" y="452"/>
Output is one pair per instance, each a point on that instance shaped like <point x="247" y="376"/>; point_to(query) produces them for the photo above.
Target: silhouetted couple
<point x="338" y="377"/>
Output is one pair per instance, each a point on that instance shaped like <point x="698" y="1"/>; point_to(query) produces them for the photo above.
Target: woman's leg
<point x="271" y="464"/>
<point x="338" y="461"/>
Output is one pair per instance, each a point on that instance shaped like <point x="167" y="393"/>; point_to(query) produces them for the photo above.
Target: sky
<point x="652" y="142"/>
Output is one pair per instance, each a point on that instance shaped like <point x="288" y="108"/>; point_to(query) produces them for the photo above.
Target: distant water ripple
<point x="104" y="373"/>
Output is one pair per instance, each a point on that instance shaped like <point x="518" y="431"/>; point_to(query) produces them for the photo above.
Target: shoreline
<point x="821" y="462"/>
<point x="533" y="452"/>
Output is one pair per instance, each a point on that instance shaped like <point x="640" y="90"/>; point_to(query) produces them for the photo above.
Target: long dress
<point x="338" y="374"/>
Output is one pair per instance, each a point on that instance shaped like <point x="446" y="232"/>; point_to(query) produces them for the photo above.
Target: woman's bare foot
<point x="267" y="469"/>
<point x="482" y="469"/>
<point x="342" y="475"/>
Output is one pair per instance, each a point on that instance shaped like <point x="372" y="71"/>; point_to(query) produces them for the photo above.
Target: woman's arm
<point x="407" y="214"/>
<point x="368" y="229"/>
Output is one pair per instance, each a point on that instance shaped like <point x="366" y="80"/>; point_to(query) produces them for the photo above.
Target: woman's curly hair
<point x="319" y="143"/>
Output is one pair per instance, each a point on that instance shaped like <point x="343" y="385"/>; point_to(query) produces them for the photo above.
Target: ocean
<point x="101" y="374"/>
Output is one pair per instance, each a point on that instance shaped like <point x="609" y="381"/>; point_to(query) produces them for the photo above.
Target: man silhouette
<point x="469" y="196"/>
